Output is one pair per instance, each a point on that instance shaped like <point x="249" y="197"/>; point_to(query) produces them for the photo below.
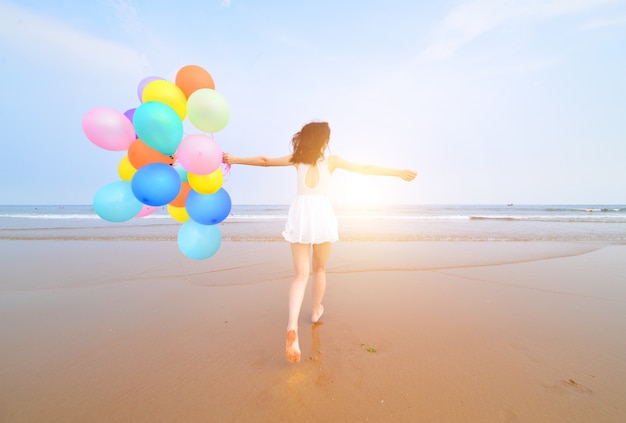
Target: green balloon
<point x="208" y="110"/>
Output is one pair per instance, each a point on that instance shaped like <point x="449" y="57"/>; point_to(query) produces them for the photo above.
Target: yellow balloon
<point x="126" y="169"/>
<point x="178" y="213"/>
<point x="206" y="184"/>
<point x="167" y="93"/>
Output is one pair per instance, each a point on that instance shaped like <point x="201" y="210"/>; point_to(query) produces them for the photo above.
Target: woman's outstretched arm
<point x="257" y="160"/>
<point x="337" y="162"/>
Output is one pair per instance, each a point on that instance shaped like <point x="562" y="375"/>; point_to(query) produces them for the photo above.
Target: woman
<point x="311" y="223"/>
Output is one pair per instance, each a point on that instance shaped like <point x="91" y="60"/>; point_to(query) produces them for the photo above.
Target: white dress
<point x="311" y="218"/>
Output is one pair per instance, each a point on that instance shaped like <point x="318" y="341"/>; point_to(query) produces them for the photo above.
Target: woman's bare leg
<point x="321" y="252"/>
<point x="302" y="268"/>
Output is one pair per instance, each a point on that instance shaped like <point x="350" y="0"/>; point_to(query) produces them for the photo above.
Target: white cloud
<point x="42" y="36"/>
<point x="462" y="25"/>
<point x="604" y="23"/>
<point x="126" y="13"/>
<point x="520" y="68"/>
<point x="562" y="7"/>
<point x="471" y="19"/>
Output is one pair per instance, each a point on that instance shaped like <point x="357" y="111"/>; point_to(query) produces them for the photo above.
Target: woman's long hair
<point x="307" y="144"/>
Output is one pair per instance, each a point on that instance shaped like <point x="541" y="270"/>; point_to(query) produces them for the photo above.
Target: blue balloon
<point x="198" y="241"/>
<point x="158" y="126"/>
<point x="208" y="209"/>
<point x="115" y="202"/>
<point x="156" y="184"/>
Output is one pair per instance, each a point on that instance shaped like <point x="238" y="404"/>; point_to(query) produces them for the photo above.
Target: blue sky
<point x="492" y="101"/>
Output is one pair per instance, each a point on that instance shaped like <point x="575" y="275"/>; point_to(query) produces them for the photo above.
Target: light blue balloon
<point x="208" y="209"/>
<point x="182" y="172"/>
<point x="198" y="241"/>
<point x="158" y="126"/>
<point x="156" y="184"/>
<point x="115" y="202"/>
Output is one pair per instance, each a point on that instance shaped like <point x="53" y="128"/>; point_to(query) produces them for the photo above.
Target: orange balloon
<point x="180" y="200"/>
<point x="139" y="155"/>
<point x="191" y="78"/>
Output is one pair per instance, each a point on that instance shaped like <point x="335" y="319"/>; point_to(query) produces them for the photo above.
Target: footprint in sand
<point x="570" y="385"/>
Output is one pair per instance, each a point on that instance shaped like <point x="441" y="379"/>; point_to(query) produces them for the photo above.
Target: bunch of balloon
<point x="163" y="165"/>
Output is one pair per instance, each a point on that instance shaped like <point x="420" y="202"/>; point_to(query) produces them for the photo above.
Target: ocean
<point x="583" y="222"/>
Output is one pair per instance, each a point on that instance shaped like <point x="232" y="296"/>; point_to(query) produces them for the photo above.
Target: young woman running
<point x="311" y="223"/>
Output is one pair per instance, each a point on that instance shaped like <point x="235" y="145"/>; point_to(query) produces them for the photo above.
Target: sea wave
<point x="554" y="218"/>
<point x="55" y="216"/>
<point x="590" y="209"/>
<point x="264" y="237"/>
<point x="590" y="217"/>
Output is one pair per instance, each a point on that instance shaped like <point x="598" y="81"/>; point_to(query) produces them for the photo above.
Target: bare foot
<point x="317" y="314"/>
<point x="292" y="349"/>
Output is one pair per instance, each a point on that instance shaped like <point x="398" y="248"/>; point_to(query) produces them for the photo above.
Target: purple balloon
<point x="129" y="114"/>
<point x="143" y="83"/>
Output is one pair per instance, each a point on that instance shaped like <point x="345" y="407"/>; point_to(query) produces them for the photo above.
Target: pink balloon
<point x="143" y="83"/>
<point x="146" y="210"/>
<point x="199" y="154"/>
<point x="109" y="129"/>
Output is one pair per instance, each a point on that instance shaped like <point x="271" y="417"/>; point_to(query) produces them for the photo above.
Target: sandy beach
<point x="103" y="331"/>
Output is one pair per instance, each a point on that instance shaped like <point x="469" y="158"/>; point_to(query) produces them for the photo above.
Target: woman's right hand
<point x="228" y="159"/>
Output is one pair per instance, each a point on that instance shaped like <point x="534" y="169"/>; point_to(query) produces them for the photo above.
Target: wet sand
<point x="104" y="331"/>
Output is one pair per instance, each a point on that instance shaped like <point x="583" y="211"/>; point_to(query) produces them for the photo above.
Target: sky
<point x="491" y="101"/>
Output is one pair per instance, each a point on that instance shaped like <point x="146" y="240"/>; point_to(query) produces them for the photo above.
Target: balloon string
<point x="226" y="169"/>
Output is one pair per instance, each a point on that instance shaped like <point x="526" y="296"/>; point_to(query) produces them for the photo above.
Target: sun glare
<point x="362" y="191"/>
